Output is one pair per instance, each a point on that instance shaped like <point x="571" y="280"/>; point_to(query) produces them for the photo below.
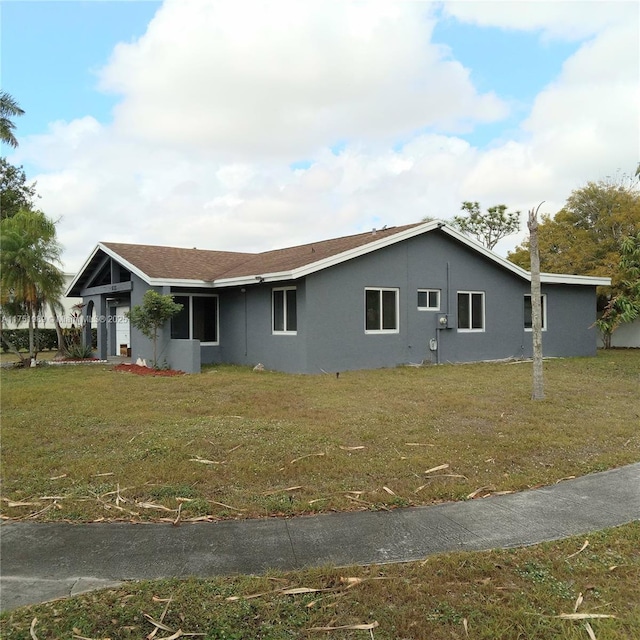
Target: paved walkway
<point x="43" y="561"/>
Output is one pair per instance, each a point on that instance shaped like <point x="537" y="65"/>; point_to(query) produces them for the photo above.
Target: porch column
<point x="102" y="327"/>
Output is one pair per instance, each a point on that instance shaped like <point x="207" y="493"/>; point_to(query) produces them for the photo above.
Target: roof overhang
<point x="350" y="254"/>
<point x="545" y="278"/>
<point x="331" y="261"/>
<point x="563" y="278"/>
<point x="81" y="271"/>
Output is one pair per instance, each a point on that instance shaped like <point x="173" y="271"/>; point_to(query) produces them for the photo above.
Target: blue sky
<point x="52" y="50"/>
<point x="69" y="41"/>
<point x="256" y="122"/>
<point x="516" y="65"/>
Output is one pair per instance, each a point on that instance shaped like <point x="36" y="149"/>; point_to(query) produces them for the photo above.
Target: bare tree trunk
<point x="32" y="341"/>
<point x="60" y="335"/>
<point x="536" y="306"/>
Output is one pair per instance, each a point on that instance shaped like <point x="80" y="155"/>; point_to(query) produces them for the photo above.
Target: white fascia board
<point x="154" y="282"/>
<point x="177" y="282"/>
<point x="331" y="260"/>
<point x="480" y="248"/>
<point x="374" y="246"/>
<point x="127" y="265"/>
<point x="565" y="278"/>
<point x="81" y="270"/>
<point x="367" y="248"/>
<point x="405" y="235"/>
<point x="243" y="281"/>
<point x="545" y="278"/>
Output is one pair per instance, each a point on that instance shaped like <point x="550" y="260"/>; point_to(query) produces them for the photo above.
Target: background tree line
<point x="30" y="255"/>
<point x="596" y="233"/>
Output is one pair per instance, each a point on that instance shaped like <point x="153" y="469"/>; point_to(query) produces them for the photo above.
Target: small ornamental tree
<point x="490" y="227"/>
<point x="151" y="315"/>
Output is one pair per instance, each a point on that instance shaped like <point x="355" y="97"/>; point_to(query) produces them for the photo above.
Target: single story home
<point x="418" y="293"/>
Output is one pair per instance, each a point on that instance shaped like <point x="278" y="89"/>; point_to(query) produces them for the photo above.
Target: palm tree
<point x="29" y="277"/>
<point x="8" y="109"/>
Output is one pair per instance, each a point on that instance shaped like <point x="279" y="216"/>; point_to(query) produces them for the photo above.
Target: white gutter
<point x="546" y="278"/>
<point x="564" y="278"/>
<point x="300" y="272"/>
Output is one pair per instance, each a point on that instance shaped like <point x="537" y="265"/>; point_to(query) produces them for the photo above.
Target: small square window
<point x="429" y="299"/>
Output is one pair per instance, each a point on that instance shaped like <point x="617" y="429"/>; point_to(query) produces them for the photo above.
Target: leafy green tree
<point x="29" y="276"/>
<point x="9" y="109"/>
<point x="585" y="237"/>
<point x="15" y="193"/>
<point x="490" y="227"/>
<point x="151" y="315"/>
<point x="625" y="305"/>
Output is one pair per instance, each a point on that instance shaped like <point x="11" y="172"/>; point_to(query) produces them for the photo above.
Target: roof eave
<point x="180" y="282"/>
<point x="564" y="278"/>
<point x="331" y="261"/>
<point x="75" y="279"/>
<point x="125" y="263"/>
<point x="308" y="269"/>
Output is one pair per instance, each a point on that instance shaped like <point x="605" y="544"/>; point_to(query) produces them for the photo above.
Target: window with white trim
<point x="528" y="312"/>
<point x="381" y="308"/>
<point x="429" y="299"/>
<point x="197" y="320"/>
<point x="284" y="310"/>
<point x="470" y="310"/>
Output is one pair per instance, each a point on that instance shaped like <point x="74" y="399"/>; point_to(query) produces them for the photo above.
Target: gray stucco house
<point x="408" y="294"/>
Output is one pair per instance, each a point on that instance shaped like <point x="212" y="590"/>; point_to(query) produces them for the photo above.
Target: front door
<point x="123" y="339"/>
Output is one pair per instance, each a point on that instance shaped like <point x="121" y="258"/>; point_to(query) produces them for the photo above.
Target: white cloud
<point x="562" y="19"/>
<point x="218" y="100"/>
<point x="589" y="116"/>
<point x="286" y="78"/>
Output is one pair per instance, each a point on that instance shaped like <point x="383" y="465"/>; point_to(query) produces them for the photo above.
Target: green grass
<point x="12" y="357"/>
<point x="86" y="443"/>
<point x="504" y="594"/>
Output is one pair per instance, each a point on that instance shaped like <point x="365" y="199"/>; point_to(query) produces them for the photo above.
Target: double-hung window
<point x="528" y="312"/>
<point x="470" y="310"/>
<point x="284" y="310"/>
<point x="381" y="308"/>
<point x="429" y="299"/>
<point x="197" y="320"/>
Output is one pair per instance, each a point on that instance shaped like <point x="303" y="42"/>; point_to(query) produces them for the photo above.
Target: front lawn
<point x="85" y="443"/>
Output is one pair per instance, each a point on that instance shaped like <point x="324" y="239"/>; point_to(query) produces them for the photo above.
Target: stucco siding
<point x="335" y="331"/>
<point x="246" y="335"/>
<point x="335" y="310"/>
<point x="571" y="313"/>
